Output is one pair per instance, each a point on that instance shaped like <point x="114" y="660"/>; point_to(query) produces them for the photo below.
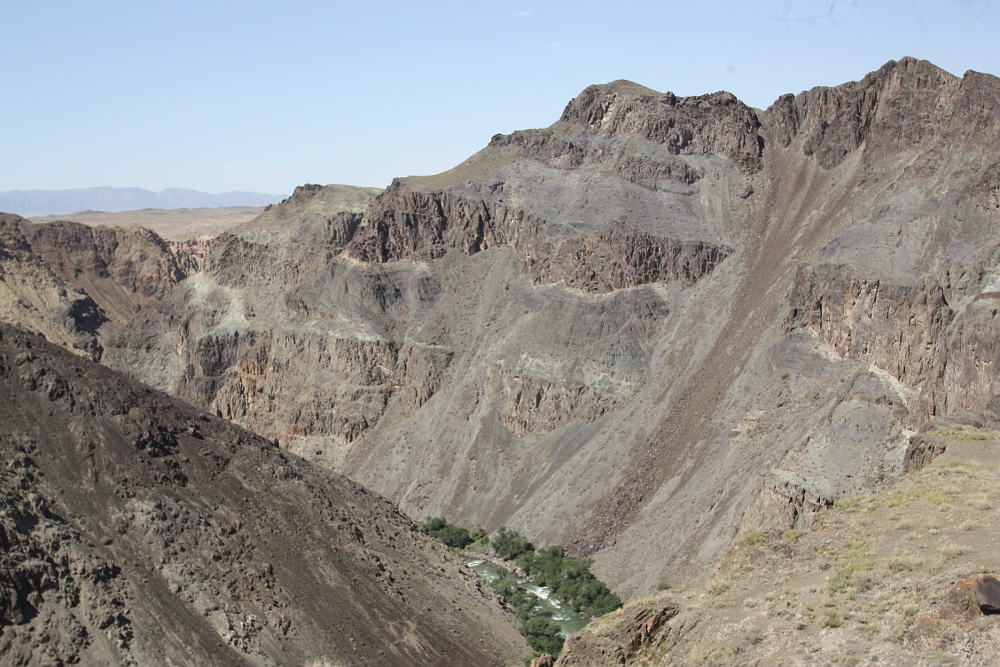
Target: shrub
<point x="542" y="635"/>
<point x="509" y="544"/>
<point x="453" y="536"/>
<point x="794" y="535"/>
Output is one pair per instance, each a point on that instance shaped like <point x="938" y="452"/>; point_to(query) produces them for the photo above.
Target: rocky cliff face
<point x="67" y="280"/>
<point x="137" y="530"/>
<point x="632" y="332"/>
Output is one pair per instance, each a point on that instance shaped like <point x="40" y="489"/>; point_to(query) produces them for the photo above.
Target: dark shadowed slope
<point x="136" y="530"/>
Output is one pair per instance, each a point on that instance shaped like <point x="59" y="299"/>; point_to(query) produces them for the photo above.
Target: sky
<point x="262" y="96"/>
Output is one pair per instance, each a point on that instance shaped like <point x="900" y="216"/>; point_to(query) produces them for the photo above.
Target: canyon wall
<point x="636" y="332"/>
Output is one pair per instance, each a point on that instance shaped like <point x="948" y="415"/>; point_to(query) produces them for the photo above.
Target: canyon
<point x="655" y="326"/>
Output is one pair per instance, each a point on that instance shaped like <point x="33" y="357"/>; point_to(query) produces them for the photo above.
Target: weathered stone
<point x="544" y="660"/>
<point x="988" y="593"/>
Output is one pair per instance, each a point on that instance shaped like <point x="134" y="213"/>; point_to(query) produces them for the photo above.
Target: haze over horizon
<point x="221" y="97"/>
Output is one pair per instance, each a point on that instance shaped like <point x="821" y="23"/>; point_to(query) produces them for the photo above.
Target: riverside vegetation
<point x="570" y="579"/>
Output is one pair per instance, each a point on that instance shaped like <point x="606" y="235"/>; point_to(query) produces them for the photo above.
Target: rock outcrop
<point x="66" y="280"/>
<point x="623" y="639"/>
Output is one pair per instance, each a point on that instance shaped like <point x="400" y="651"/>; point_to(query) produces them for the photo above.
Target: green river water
<point x="546" y="604"/>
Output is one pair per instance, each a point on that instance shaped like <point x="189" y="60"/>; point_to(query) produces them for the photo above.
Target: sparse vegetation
<point x="323" y="662"/>
<point x="755" y="538"/>
<point x="968" y="433"/>
<point x="794" y="536"/>
<point x="950" y="551"/>
<point x="716" y="584"/>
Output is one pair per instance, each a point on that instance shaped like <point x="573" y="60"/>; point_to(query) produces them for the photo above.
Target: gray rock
<point x="988" y="593"/>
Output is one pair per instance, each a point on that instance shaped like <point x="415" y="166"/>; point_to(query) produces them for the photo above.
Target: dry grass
<point x="794" y="536"/>
<point x="717" y="584"/>
<point x="872" y="576"/>
<point x="950" y="551"/>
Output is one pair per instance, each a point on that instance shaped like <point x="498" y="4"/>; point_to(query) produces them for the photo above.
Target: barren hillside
<point x="885" y="579"/>
<point x="137" y="530"/>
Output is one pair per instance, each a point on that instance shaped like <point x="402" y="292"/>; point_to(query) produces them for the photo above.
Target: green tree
<point x="509" y="544"/>
<point x="433" y="523"/>
<point x="454" y="536"/>
<point x="542" y="635"/>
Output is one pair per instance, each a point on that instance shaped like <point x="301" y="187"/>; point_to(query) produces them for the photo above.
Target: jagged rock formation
<point x="137" y="530"/>
<point x="67" y="280"/>
<point x="630" y="332"/>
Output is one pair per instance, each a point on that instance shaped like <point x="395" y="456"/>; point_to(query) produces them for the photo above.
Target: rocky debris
<point x="921" y="450"/>
<point x="138" y="530"/>
<point x="988" y="593"/>
<point x="902" y="104"/>
<point x="786" y="502"/>
<point x="197" y="249"/>
<point x="544" y="660"/>
<point x="622" y="639"/>
<point x="121" y="268"/>
<point x="404" y="223"/>
<point x="912" y="331"/>
<point x="292" y="240"/>
<point x="717" y="123"/>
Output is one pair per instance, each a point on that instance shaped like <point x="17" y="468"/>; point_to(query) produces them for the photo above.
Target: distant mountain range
<point x="59" y="202"/>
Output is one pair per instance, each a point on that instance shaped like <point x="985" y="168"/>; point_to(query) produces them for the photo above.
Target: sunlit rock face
<point x="618" y="332"/>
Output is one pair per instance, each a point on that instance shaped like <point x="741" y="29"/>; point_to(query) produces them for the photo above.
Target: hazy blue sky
<point x="261" y="95"/>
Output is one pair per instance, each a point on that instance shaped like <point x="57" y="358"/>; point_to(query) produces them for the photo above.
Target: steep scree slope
<point x="136" y="530"/>
<point x="632" y="332"/>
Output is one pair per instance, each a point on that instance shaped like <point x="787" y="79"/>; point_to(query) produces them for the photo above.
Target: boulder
<point x="988" y="593"/>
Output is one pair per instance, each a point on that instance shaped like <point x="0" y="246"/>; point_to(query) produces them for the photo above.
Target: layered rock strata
<point x="632" y="332"/>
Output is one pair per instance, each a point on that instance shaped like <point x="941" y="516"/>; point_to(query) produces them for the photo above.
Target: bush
<point x="453" y="536"/>
<point x="542" y="635"/>
<point x="509" y="544"/>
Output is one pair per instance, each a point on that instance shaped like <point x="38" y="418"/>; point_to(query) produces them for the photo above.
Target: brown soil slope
<point x="880" y="579"/>
<point x="630" y="332"/>
<point x="136" y="530"/>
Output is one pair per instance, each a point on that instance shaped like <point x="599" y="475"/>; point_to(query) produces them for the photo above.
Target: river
<point x="546" y="604"/>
